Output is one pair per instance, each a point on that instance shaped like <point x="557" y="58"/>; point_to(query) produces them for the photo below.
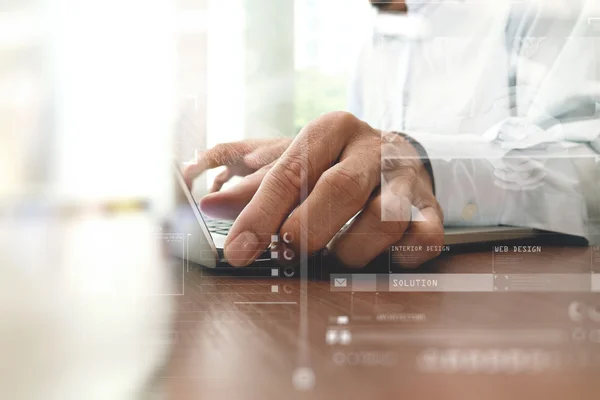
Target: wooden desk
<point x="227" y="348"/>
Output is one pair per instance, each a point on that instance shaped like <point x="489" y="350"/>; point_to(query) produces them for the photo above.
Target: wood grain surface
<point x="267" y="338"/>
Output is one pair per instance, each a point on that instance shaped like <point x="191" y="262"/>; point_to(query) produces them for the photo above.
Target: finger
<point x="229" y="203"/>
<point x="222" y="178"/>
<point x="266" y="154"/>
<point x="217" y="156"/>
<point x="368" y="235"/>
<point x="423" y="241"/>
<point x="339" y="194"/>
<point x="313" y="151"/>
<point x="258" y="158"/>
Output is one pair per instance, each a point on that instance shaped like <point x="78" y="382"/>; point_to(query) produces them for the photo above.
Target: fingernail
<point x="242" y="250"/>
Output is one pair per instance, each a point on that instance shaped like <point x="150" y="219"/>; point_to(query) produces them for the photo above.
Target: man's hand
<point x="331" y="172"/>
<point x="239" y="159"/>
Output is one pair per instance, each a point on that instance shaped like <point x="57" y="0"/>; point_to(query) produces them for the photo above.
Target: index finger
<point x="221" y="155"/>
<point x="290" y="180"/>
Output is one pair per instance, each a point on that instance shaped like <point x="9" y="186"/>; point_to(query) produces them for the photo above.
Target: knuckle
<point x="396" y="207"/>
<point x="289" y="173"/>
<point x="221" y="149"/>
<point x="399" y="163"/>
<point x="286" y="179"/>
<point x="425" y="203"/>
<point x="341" y="117"/>
<point x="409" y="171"/>
<point x="341" y="121"/>
<point x="431" y="203"/>
<point x="388" y="230"/>
<point x="368" y="161"/>
<point x="348" y="187"/>
<point x="389" y="137"/>
<point x="224" y="153"/>
<point x="371" y="139"/>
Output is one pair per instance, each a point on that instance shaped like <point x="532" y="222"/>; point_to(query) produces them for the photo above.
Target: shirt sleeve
<point x="541" y="168"/>
<point x="355" y="90"/>
<point x="484" y="182"/>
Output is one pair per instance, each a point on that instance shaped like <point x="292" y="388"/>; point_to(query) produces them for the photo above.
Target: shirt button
<point x="469" y="212"/>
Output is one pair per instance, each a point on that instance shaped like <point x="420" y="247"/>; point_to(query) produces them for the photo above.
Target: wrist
<point x="424" y="168"/>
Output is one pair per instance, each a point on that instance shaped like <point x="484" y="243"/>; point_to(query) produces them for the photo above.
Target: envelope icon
<point x="340" y="282"/>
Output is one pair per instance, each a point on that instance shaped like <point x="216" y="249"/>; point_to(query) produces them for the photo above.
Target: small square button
<point x="274" y="288"/>
<point x="275" y="272"/>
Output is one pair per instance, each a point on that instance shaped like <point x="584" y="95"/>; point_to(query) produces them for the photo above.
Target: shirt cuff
<point x="423" y="156"/>
<point x="464" y="186"/>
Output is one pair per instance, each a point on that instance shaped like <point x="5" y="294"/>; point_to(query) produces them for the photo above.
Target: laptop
<point x="205" y="236"/>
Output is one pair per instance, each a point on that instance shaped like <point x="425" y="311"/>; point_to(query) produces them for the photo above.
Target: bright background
<point x="264" y="68"/>
<point x="269" y="66"/>
<point x="92" y="88"/>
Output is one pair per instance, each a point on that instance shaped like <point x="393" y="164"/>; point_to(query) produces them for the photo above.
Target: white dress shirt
<point x="504" y="98"/>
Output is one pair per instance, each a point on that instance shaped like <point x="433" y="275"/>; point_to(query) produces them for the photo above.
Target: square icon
<point x="275" y="272"/>
<point x="274" y="288"/>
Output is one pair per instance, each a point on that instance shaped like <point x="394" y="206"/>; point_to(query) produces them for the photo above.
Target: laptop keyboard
<point x="218" y="226"/>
